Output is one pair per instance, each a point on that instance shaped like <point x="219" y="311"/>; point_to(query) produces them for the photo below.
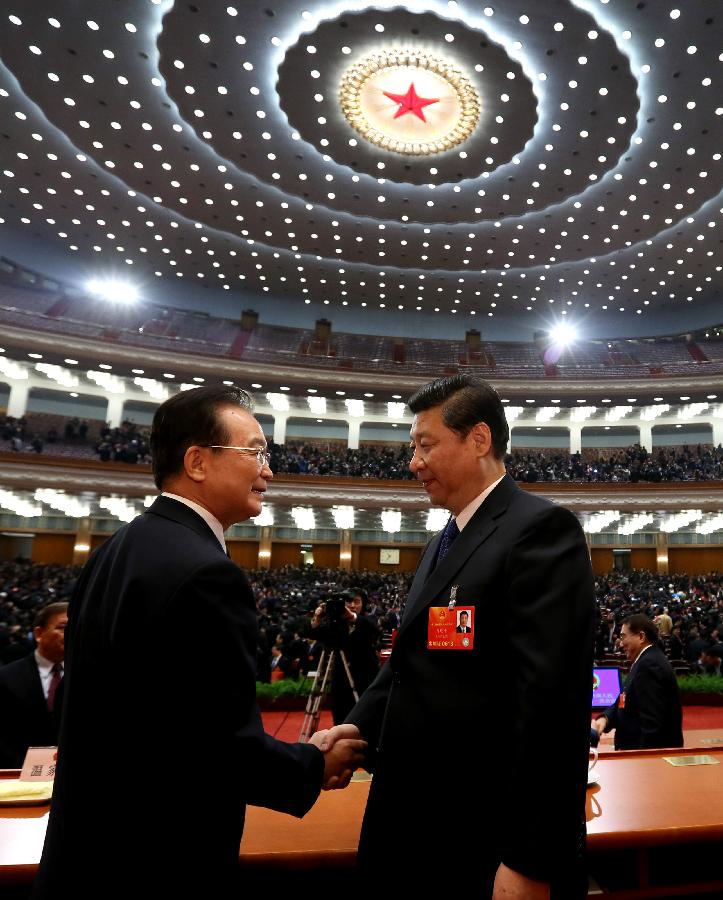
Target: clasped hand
<point x="343" y="753"/>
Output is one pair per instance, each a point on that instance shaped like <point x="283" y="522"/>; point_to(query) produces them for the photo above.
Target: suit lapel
<point x="32" y="686"/>
<point x="429" y="583"/>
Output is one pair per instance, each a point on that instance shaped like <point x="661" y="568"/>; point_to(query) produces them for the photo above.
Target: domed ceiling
<point x="520" y="160"/>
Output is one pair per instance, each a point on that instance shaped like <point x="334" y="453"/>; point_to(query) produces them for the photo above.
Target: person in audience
<point x="664" y="623"/>
<point x="523" y="563"/>
<point x="31" y="690"/>
<point x="697" y="644"/>
<point x="648" y="712"/>
<point x="160" y="682"/>
<point x="674" y="644"/>
<point x="710" y="660"/>
<point x="357" y="636"/>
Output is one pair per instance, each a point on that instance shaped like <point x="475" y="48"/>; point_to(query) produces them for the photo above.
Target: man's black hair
<point x="188" y="418"/>
<point x="465" y="401"/>
<point x="640" y="622"/>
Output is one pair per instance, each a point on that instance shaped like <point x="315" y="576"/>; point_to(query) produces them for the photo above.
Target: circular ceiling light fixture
<point x="409" y="102"/>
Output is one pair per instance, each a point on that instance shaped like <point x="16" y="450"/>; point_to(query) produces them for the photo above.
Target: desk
<point x="640" y="807"/>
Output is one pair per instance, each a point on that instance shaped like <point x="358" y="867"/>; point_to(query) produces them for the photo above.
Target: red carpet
<point x="287" y="725"/>
<point x="700" y="717"/>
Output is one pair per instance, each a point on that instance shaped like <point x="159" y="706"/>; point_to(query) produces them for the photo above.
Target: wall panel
<point x="53" y="548"/>
<point x="695" y="560"/>
<point x="366" y="556"/>
<point x="244" y="553"/>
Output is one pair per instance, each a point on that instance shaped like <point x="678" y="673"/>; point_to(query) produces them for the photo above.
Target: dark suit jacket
<point x="652" y="715"/>
<point x="24" y="717"/>
<point x="161" y="743"/>
<point x="522" y="562"/>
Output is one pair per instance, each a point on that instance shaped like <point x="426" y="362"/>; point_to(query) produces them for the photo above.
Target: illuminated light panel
<point x="436" y="519"/>
<point x="304" y="518"/>
<point x="343" y="517"/>
<point x="265" y="519"/>
<point x="391" y="520"/>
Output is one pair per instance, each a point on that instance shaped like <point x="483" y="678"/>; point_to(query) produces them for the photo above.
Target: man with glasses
<point x="161" y="744"/>
<point x="648" y="712"/>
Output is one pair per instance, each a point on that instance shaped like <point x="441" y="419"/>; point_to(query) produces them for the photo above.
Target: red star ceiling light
<point x="409" y="102"/>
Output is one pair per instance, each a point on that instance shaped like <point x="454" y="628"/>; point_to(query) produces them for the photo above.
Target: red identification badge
<point x="621" y="700"/>
<point x="450" y="629"/>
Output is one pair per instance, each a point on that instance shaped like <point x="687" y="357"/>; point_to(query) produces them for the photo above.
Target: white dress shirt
<point x="471" y="508"/>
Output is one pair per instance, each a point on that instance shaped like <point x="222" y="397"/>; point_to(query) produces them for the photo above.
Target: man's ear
<point x="482" y="437"/>
<point x="194" y="464"/>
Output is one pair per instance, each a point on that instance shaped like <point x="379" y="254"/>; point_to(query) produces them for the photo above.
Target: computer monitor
<point x="606" y="684"/>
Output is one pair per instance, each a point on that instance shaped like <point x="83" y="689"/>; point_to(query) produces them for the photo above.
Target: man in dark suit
<point x="463" y="627"/>
<point x="31" y="690"/>
<point x="522" y="564"/>
<point x="161" y="744"/>
<point x="648" y="711"/>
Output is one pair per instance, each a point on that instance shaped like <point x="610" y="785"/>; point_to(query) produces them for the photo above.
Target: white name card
<point x="40" y="763"/>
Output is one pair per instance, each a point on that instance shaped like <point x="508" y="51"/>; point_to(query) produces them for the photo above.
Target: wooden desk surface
<point x="643" y="801"/>
<point x="640" y="801"/>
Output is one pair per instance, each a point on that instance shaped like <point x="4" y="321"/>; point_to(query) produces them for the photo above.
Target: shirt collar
<point x="44" y="664"/>
<point x="208" y="517"/>
<point x="646" y="647"/>
<point x="471" y="508"/>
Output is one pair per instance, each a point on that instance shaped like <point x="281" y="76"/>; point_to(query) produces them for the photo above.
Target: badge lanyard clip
<point x="453" y="596"/>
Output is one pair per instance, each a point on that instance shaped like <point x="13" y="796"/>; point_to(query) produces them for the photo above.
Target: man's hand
<point x="600" y="724"/>
<point x="341" y="761"/>
<point x="511" y="885"/>
<point x="336" y="733"/>
<point x="318" y="738"/>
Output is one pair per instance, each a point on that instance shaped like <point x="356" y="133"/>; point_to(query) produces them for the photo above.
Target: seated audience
<point x="31" y="690"/>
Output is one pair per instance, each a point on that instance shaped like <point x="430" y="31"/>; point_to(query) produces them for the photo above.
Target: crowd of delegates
<point x="77" y="437"/>
<point x="631" y="464"/>
<point x="25" y="588"/>
<point x="129" y="444"/>
<point x="365" y="462"/>
<point x="687" y="609"/>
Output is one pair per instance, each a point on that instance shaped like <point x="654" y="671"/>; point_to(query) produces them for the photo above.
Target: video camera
<point x="335" y="606"/>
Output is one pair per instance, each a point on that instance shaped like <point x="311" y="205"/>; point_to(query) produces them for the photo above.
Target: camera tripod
<point x="322" y="677"/>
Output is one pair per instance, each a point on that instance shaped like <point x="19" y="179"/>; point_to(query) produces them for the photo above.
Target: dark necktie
<point x="449" y="535"/>
<point x="56" y="676"/>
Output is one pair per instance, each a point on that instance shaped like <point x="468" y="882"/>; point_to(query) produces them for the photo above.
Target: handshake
<point x="343" y="752"/>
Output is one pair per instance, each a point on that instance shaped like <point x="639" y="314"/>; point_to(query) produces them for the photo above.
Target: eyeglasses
<point x="262" y="456"/>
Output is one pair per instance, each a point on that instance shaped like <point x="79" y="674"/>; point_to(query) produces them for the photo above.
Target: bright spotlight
<point x="563" y="334"/>
<point x="113" y="291"/>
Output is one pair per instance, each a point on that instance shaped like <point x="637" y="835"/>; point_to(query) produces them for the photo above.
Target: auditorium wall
<point x="640" y="558"/>
<point x="307" y="428"/>
<point x="290" y="554"/>
<point x="244" y="553"/>
<point x="695" y="560"/>
<point x="366" y="556"/>
<point x="83" y="407"/>
<point x="377" y="433"/>
<point x="139" y="413"/>
<point x="53" y="548"/>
